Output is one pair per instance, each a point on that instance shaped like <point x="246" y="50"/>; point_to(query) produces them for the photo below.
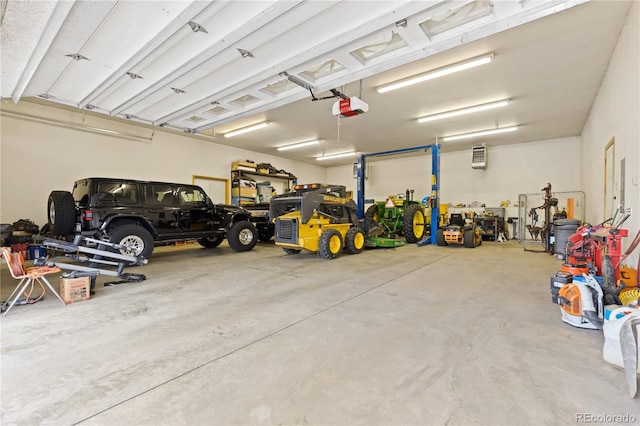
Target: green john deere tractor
<point x="398" y="216"/>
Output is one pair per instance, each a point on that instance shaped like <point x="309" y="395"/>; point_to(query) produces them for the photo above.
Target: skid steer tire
<point x="265" y="234"/>
<point x="61" y="212"/>
<point x="330" y="244"/>
<point x="413" y="224"/>
<point x="355" y="240"/>
<point x="440" y="238"/>
<point x="469" y="238"/>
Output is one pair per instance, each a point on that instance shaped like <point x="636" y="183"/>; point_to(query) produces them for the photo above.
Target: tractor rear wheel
<point x="355" y="240"/>
<point x="372" y="212"/>
<point x="330" y="244"/>
<point x="440" y="238"/>
<point x="414" y="224"/>
<point x="469" y="238"/>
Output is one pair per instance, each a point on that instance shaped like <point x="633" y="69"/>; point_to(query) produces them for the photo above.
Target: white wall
<point x="511" y="170"/>
<point x="37" y="158"/>
<point x="616" y="114"/>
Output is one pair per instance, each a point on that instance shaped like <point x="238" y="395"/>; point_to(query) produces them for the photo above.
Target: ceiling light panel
<point x="338" y="155"/>
<point x="457" y="17"/>
<point x="479" y="133"/>
<point x="246" y="129"/>
<point x="463" y="111"/>
<point x="298" y="145"/>
<point x="439" y="72"/>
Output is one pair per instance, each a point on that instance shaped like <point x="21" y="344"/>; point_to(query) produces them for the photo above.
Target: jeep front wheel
<point x="61" y="212"/>
<point x="134" y="237"/>
<point x="242" y="236"/>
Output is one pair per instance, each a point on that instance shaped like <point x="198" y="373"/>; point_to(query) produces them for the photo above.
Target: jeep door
<point x="197" y="212"/>
<point x="162" y="209"/>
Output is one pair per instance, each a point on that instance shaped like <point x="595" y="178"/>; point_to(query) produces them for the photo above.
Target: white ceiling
<point x="179" y="64"/>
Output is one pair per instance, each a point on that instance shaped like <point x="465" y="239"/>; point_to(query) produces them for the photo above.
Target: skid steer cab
<point x="318" y="218"/>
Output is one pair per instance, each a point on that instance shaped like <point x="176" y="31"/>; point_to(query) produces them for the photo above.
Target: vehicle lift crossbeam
<point x="99" y="256"/>
<point x="434" y="198"/>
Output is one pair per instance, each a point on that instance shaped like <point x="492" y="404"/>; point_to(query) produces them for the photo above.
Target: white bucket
<point x="611" y="351"/>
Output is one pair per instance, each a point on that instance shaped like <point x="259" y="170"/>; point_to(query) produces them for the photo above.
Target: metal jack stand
<point x="98" y="255"/>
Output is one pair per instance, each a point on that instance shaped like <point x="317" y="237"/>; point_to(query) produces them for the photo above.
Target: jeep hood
<point x="231" y="208"/>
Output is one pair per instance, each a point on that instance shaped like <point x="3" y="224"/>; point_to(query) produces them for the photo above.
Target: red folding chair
<point x="29" y="276"/>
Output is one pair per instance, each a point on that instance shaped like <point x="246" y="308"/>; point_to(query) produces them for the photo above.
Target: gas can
<point x="629" y="276"/>
<point x="559" y="279"/>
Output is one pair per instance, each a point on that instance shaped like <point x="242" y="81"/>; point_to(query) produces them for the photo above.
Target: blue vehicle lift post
<point x="434" y="198"/>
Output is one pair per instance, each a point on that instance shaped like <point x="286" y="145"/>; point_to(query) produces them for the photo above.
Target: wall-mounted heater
<point x="479" y="156"/>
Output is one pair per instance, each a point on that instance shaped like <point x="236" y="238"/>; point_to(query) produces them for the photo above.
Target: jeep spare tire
<point x="61" y="212"/>
<point x="242" y="236"/>
<point x="135" y="237"/>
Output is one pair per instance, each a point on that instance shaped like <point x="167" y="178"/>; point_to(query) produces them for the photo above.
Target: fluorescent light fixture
<point x="298" y="145"/>
<point x="339" y="155"/>
<point x="480" y="133"/>
<point x="440" y="72"/>
<point x="463" y="111"/>
<point x="247" y="129"/>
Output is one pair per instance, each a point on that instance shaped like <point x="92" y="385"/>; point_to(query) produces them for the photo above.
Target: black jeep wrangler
<point x="139" y="214"/>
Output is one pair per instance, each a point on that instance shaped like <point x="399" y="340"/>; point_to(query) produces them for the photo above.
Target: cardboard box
<point x="74" y="290"/>
<point x="241" y="201"/>
<point x="244" y="192"/>
<point x="243" y="165"/>
<point x="244" y="183"/>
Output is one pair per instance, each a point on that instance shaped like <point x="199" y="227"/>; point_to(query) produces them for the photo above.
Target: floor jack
<point x="99" y="257"/>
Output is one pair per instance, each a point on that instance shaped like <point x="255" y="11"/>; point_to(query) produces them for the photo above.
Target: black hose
<point x="608" y="273"/>
<point x="593" y="318"/>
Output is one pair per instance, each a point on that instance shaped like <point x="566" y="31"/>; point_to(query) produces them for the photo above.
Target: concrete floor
<point x="407" y="336"/>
